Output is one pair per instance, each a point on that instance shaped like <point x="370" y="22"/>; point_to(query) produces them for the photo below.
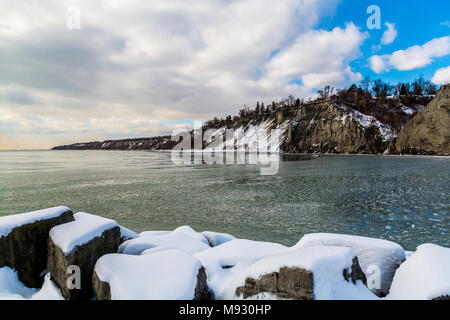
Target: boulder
<point x="428" y="132"/>
<point x="80" y="243"/>
<point x="183" y="238"/>
<point x="374" y="255"/>
<point x="306" y="274"/>
<point x="23" y="242"/>
<point x="170" y="274"/>
<point x="423" y="276"/>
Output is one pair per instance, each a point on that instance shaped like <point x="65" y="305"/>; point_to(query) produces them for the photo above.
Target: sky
<point x="79" y="70"/>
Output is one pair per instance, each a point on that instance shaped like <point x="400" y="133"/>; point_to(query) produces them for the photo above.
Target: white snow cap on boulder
<point x="227" y="261"/>
<point x="326" y="264"/>
<point x="164" y="275"/>
<point x="372" y="254"/>
<point x="8" y="223"/>
<point x="183" y="238"/>
<point x="424" y="275"/>
<point x="85" y="227"/>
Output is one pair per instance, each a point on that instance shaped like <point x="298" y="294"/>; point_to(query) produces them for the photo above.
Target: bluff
<point x="428" y="132"/>
<point x="336" y="124"/>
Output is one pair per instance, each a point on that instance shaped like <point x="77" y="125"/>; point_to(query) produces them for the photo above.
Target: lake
<point x="401" y="198"/>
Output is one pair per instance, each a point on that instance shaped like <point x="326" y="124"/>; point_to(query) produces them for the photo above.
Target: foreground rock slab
<point x="377" y="257"/>
<point x="23" y="242"/>
<point x="306" y="274"/>
<point x="75" y="247"/>
<point x="424" y="275"/>
<point x="170" y="274"/>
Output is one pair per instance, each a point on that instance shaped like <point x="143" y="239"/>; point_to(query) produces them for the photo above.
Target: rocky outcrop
<point x="23" y="242"/>
<point x="429" y="131"/>
<point x="329" y="128"/>
<point x="80" y="243"/>
<point x="293" y="283"/>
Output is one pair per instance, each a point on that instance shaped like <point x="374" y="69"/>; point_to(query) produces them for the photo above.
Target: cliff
<point x="428" y="132"/>
<point x="330" y="125"/>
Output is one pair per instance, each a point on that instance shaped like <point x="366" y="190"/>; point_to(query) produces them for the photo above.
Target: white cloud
<point x="318" y="58"/>
<point x="441" y="76"/>
<point x="390" y="34"/>
<point x="162" y="59"/>
<point x="412" y="57"/>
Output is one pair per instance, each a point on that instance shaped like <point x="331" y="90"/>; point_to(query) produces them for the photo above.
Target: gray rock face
<point x="84" y="256"/>
<point x="429" y="131"/>
<point x="25" y="248"/>
<point x="293" y="283"/>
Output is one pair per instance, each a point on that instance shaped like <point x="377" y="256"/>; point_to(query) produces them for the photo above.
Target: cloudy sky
<point x="74" y="71"/>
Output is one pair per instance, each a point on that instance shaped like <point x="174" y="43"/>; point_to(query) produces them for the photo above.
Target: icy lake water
<point x="404" y="199"/>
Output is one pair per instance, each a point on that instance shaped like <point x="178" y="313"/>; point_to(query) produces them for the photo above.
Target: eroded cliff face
<point x="330" y="128"/>
<point x="429" y="131"/>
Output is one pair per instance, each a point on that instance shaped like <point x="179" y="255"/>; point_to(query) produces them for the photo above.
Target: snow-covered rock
<point x="169" y="275"/>
<point x="424" y="275"/>
<point x="23" y="241"/>
<point x="183" y="238"/>
<point x="378" y="258"/>
<point x="216" y="238"/>
<point x="127" y="234"/>
<point x="80" y="243"/>
<point x="306" y="273"/>
<point x="227" y="261"/>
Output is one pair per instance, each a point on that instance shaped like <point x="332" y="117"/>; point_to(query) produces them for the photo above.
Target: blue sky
<point x="85" y="70"/>
<point x="416" y="22"/>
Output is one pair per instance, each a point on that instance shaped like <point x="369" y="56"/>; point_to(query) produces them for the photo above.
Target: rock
<point x="183" y="238"/>
<point x="428" y="132"/>
<point x="23" y="242"/>
<point x="80" y="243"/>
<point x="306" y="274"/>
<point x="373" y="254"/>
<point x="170" y="274"/>
<point x="225" y="262"/>
<point x="423" y="276"/>
<point x="127" y="234"/>
<point x="216" y="238"/>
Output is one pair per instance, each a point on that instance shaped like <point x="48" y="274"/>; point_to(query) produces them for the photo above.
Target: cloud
<point x="441" y="76"/>
<point x="318" y="58"/>
<point x="161" y="60"/>
<point x="445" y="23"/>
<point x="412" y="57"/>
<point x="390" y="34"/>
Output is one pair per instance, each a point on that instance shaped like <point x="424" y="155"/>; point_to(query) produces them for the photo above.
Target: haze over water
<point x="404" y="199"/>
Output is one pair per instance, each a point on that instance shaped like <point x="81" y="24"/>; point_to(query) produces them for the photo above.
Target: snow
<point x="424" y="275"/>
<point x="11" y="288"/>
<point x="372" y="253"/>
<point x="216" y="238"/>
<point x="183" y="238"/>
<point x="85" y="228"/>
<point x="366" y="121"/>
<point x="49" y="291"/>
<point x="166" y="275"/>
<point x="252" y="138"/>
<point x="228" y="260"/>
<point x="326" y="263"/>
<point x="127" y="234"/>
<point x="8" y="223"/>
